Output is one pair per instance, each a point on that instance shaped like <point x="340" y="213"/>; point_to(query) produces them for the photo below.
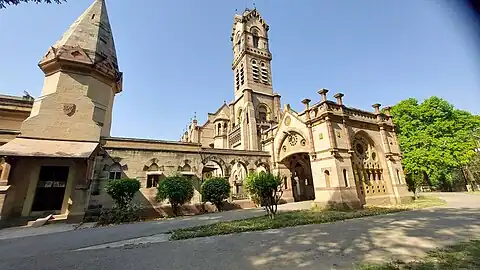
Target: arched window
<point x="219" y="128"/>
<point x="239" y="42"/>
<point x="241" y="75"/>
<point x="237" y="79"/>
<point x="255" y="37"/>
<point x="264" y="71"/>
<point x="327" y="178"/>
<point x="115" y="171"/>
<point x="345" y="179"/>
<point x="262" y="113"/>
<point x="398" y="177"/>
<point x="186" y="168"/>
<point x="239" y="116"/>
<point x="153" y="178"/>
<point x="255" y="71"/>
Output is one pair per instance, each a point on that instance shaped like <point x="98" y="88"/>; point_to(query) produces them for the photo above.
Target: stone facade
<point x="13" y="111"/>
<point x="61" y="155"/>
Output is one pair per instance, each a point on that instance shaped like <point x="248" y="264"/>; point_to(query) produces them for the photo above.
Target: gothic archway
<point x="238" y="176"/>
<point x="301" y="180"/>
<point x="212" y="169"/>
<point x="367" y="168"/>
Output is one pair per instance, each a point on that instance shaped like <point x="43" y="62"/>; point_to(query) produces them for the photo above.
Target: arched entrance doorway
<point x="211" y="169"/>
<point x="293" y="154"/>
<point x="301" y="181"/>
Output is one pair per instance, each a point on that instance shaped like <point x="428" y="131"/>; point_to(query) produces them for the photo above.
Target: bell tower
<point x="81" y="80"/>
<point x="256" y="107"/>
<point x="251" y="54"/>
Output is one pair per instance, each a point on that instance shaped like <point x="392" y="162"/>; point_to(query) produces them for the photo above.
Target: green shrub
<point x="177" y="189"/>
<point x="216" y="190"/>
<point x="267" y="189"/>
<point x="122" y="191"/>
<point x="117" y="215"/>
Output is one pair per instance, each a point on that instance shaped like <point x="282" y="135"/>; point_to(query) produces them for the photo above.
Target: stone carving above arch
<point x="221" y="163"/>
<point x="239" y="172"/>
<point x="153" y="167"/>
<point x="151" y="161"/>
<point x="259" y="163"/>
<point x="293" y="142"/>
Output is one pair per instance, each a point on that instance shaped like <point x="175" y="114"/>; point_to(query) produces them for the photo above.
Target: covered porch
<point x="43" y="177"/>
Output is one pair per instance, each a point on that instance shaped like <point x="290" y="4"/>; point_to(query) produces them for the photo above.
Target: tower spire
<point x="88" y="41"/>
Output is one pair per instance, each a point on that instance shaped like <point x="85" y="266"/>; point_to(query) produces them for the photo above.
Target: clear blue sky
<point x="176" y="54"/>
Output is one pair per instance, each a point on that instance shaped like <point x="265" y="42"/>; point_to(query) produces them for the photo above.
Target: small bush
<point x="216" y="191"/>
<point x="267" y="189"/>
<point x="122" y="191"/>
<point x="117" y="215"/>
<point x="177" y="189"/>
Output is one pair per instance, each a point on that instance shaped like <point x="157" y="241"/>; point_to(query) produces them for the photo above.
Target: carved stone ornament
<point x="69" y="109"/>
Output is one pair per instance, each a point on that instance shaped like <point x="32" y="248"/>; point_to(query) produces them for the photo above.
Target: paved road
<point x="325" y="246"/>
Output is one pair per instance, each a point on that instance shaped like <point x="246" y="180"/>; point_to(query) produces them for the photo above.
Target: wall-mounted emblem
<point x="288" y="120"/>
<point x="69" y="109"/>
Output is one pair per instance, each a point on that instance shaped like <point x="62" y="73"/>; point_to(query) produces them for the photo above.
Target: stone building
<point x="59" y="153"/>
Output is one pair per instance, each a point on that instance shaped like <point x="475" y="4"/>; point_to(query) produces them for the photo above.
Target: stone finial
<point x="195" y="118"/>
<point x="306" y="102"/>
<point x="323" y="92"/>
<point x="376" y="106"/>
<point x="387" y="110"/>
<point x="339" y="97"/>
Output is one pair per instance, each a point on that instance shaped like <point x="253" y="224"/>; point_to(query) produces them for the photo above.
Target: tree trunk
<point x="415" y="192"/>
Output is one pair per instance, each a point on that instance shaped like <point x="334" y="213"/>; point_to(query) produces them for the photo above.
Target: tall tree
<point x="4" y="3"/>
<point x="434" y="137"/>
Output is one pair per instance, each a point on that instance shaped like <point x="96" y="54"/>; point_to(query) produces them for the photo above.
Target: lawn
<point x="461" y="256"/>
<point x="296" y="218"/>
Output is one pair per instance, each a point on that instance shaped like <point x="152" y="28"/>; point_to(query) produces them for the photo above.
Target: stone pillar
<point x="376" y="106"/>
<point x="388" y="113"/>
<point x="331" y="135"/>
<point x="386" y="144"/>
<point x="306" y="102"/>
<point x="251" y="123"/>
<point x="323" y="93"/>
<point x="5" y="173"/>
<point x="276" y="108"/>
<point x="347" y="133"/>
<point x="339" y="96"/>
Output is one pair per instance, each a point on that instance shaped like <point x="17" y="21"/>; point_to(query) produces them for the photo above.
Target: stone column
<point x="306" y="102"/>
<point x="331" y="135"/>
<point x="386" y="144"/>
<point x="276" y="108"/>
<point x="323" y="93"/>
<point x="339" y="97"/>
<point x="347" y="133"/>
<point x="5" y="172"/>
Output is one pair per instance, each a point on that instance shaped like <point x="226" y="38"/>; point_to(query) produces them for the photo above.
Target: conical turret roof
<point x="89" y="40"/>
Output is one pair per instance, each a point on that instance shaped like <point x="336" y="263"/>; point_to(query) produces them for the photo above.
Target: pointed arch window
<point x="255" y="37"/>
<point x="264" y="72"/>
<point x="345" y="177"/>
<point x="262" y="113"/>
<point x="326" y="174"/>
<point x="242" y="77"/>
<point x="239" y="42"/>
<point x="255" y="71"/>
<point x="237" y="79"/>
